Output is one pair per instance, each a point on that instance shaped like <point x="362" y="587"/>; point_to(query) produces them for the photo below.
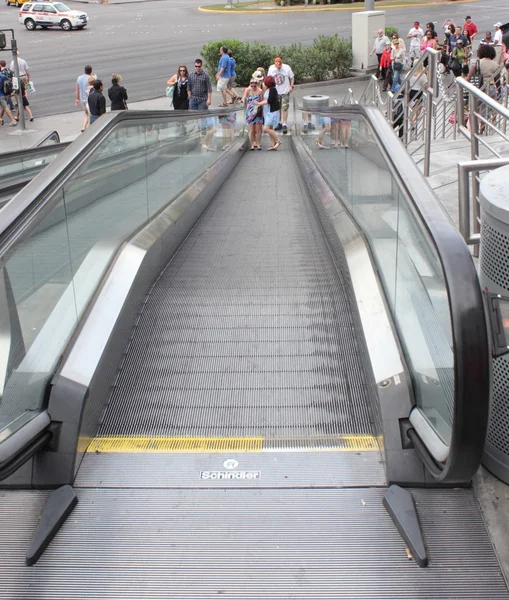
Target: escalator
<point x="20" y="167"/>
<point x="232" y="356"/>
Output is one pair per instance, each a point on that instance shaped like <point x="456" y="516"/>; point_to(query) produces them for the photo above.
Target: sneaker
<point x="305" y="129"/>
<point x="285" y="129"/>
<point x="278" y="127"/>
<point x="14" y="123"/>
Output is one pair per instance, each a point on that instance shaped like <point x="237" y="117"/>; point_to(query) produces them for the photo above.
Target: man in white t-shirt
<point x="497" y="42"/>
<point x="415" y="35"/>
<point x="22" y="66"/>
<point x="284" y="78"/>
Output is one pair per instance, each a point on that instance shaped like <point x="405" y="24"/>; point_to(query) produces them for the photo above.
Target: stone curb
<point x="314" y="8"/>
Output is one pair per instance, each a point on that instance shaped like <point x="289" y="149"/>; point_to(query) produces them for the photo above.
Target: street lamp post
<point x="369" y="4"/>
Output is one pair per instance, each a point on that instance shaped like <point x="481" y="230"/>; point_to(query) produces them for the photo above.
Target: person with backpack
<point x="6" y="90"/>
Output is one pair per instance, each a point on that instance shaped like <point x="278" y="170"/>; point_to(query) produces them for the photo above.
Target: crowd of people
<point x="456" y="46"/>
<point x="9" y="96"/>
<point x="89" y="95"/>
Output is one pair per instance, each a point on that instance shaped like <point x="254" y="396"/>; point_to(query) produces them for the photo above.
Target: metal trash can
<point x="315" y="102"/>
<point x="494" y="276"/>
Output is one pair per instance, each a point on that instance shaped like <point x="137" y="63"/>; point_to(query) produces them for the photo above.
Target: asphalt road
<point x="146" y="41"/>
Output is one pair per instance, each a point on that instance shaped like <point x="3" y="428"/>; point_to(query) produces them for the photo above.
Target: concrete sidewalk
<point x="68" y="125"/>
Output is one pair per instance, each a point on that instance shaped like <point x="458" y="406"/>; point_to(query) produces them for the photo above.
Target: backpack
<point x="7" y="87"/>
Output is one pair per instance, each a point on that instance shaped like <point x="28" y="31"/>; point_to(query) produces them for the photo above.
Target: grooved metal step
<point x="284" y="543"/>
<point x="248" y="332"/>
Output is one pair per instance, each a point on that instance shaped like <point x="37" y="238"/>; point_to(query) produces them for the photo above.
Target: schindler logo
<point x="230" y="475"/>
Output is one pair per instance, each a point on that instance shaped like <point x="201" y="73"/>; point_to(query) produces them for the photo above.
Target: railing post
<point x="406" y="124"/>
<point x="427" y="131"/>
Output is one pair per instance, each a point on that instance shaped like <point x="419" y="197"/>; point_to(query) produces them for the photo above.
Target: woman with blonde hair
<point x="117" y="93"/>
<point x="252" y="96"/>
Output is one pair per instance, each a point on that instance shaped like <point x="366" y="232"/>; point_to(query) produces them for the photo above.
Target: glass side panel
<point x="38" y="315"/>
<point x="50" y="275"/>
<point x="23" y="166"/>
<point x="408" y="265"/>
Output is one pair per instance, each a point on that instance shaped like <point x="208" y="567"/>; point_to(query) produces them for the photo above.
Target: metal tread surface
<point x="261" y="470"/>
<point x="248" y="331"/>
<point x="285" y="543"/>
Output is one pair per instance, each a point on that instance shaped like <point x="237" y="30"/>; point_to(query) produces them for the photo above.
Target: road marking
<point x="154" y="444"/>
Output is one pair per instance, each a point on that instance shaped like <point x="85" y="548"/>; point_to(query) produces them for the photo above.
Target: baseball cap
<point x="499" y="24"/>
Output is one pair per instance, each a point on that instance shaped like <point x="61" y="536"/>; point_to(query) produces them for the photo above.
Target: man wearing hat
<point x="284" y="78"/>
<point x="497" y="42"/>
<point x="415" y="35"/>
<point x="471" y="27"/>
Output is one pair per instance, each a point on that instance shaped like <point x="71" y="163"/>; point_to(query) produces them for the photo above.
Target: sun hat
<point x="257" y="76"/>
<point x="499" y="24"/>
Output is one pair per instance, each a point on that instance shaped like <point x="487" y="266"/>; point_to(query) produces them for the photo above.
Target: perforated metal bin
<point x="494" y="276"/>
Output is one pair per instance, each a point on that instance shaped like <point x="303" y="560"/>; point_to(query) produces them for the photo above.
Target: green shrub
<point x="329" y="57"/>
<point x="390" y="31"/>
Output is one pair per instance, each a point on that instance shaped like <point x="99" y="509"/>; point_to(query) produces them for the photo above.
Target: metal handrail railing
<point x="465" y="301"/>
<point x="478" y="124"/>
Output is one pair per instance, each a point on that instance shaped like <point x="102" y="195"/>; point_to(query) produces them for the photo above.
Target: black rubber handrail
<point x="466" y="307"/>
<point x="52" y="134"/>
<point x="17" y="460"/>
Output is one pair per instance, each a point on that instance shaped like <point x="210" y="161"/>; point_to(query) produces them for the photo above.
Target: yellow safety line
<point x="136" y="444"/>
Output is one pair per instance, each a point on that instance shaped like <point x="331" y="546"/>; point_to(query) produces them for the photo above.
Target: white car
<point x="51" y="14"/>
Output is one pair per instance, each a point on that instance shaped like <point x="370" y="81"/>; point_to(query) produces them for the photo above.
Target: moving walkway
<point x="230" y="356"/>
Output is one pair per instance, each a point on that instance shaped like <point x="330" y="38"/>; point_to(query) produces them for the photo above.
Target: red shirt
<point x="471" y="28"/>
<point x="385" y="60"/>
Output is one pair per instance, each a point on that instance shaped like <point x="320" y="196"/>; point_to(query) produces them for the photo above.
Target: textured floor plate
<point x="158" y="544"/>
<point x="261" y="470"/>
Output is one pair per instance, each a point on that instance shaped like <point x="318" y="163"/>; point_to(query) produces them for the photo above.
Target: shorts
<point x="322" y="121"/>
<point x="285" y="101"/>
<point x="4" y="102"/>
<point x="208" y="122"/>
<point x="414" y="52"/>
<point x="222" y="84"/>
<point x="231" y="82"/>
<point x="271" y="118"/>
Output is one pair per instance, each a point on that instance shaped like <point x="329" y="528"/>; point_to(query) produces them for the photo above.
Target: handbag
<point x="477" y="78"/>
<point x="398" y="66"/>
<point x="169" y="93"/>
<point x="30" y="87"/>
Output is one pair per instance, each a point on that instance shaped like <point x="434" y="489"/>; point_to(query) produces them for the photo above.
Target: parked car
<point x="16" y="2"/>
<point x="51" y="14"/>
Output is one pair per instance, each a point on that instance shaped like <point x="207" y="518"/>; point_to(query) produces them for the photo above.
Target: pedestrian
<point x="470" y="27"/>
<point x="253" y="96"/>
<point x="487" y="40"/>
<point x="497" y="40"/>
<point x="232" y="82"/>
<point x="431" y="27"/>
<point x="22" y="67"/>
<point x="179" y="83"/>
<point x="396" y="38"/>
<point x="199" y="88"/>
<point x="458" y="58"/>
<point x="81" y="98"/>
<point x="223" y="74"/>
<point x="415" y="35"/>
<point x="5" y="93"/>
<point x="271" y="107"/>
<point x="284" y="78"/>
<point x="378" y="47"/>
<point x="24" y="99"/>
<point x="428" y="41"/>
<point x="117" y="93"/>
<point x="453" y="40"/>
<point x="398" y="64"/>
<point x="96" y="101"/>
<point x="385" y="66"/>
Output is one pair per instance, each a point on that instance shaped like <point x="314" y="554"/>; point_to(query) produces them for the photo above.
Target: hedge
<point x="329" y="57"/>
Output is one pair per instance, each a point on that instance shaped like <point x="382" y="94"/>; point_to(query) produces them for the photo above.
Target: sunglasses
<point x="197" y="66"/>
